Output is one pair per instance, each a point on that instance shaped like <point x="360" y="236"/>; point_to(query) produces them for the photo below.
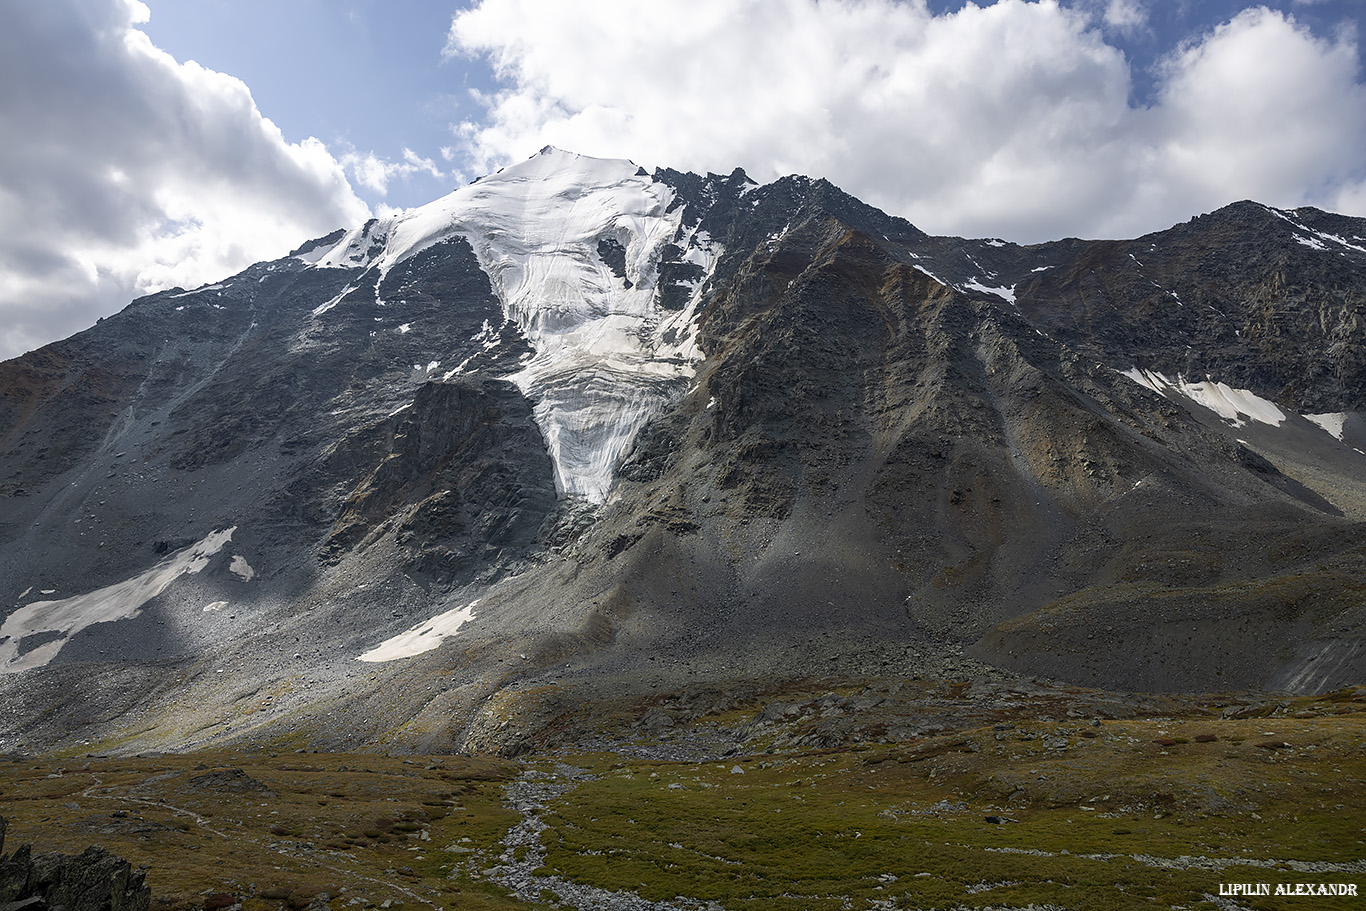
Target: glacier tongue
<point x="607" y="356"/>
<point x="591" y="417"/>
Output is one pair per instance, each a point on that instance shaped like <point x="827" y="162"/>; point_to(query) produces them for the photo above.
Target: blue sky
<point x="358" y="74"/>
<point x="172" y="142"/>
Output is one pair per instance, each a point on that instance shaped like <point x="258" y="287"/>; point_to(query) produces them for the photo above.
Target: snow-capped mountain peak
<point x="572" y="245"/>
<point x="1135" y="464"/>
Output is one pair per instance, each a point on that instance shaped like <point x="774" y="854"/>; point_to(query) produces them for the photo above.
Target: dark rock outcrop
<point x="93" y="880"/>
<point x="465" y="477"/>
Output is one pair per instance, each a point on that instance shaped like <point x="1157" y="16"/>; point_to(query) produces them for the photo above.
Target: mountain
<point x="452" y="477"/>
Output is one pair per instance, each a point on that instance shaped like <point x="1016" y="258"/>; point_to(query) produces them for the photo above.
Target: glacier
<point x="607" y="356"/>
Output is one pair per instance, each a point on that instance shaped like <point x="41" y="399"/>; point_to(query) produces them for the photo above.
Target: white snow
<point x="919" y="268"/>
<point x="323" y="308"/>
<point x="1332" y="422"/>
<point x="421" y="374"/>
<point x="1340" y="241"/>
<point x="1318" y="237"/>
<point x="1153" y="380"/>
<point x="607" y="357"/>
<point x="405" y="328"/>
<point x="217" y="287"/>
<point x="121" y="601"/>
<point x="1237" y="406"/>
<point x="241" y="568"/>
<point x="778" y="235"/>
<point x="421" y="638"/>
<point x="214" y="606"/>
<point x="358" y="247"/>
<point x="1007" y="294"/>
<point x="1040" y="269"/>
<point x="312" y="256"/>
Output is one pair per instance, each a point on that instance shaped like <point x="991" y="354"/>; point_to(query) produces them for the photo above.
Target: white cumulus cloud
<point x="374" y="173"/>
<point x="123" y="171"/>
<point x="1011" y="119"/>
<point x="1125" y="15"/>
<point x="1259" y="108"/>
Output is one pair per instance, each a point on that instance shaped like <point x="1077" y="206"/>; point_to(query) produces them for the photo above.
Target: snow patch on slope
<point x="241" y="568"/>
<point x="121" y="601"/>
<point x="1333" y="422"/>
<point x="200" y="290"/>
<point x="328" y="305"/>
<point x="1312" y="238"/>
<point x="925" y="271"/>
<point x="1237" y="406"/>
<point x="607" y="356"/>
<point x="1005" y="293"/>
<point x="421" y="638"/>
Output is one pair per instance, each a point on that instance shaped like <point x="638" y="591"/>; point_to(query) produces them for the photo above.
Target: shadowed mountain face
<point x="358" y="493"/>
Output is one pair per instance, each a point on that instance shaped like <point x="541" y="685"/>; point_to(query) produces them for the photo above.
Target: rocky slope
<point x="585" y="431"/>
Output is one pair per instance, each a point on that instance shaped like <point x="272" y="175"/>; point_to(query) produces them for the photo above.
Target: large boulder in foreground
<point x="93" y="880"/>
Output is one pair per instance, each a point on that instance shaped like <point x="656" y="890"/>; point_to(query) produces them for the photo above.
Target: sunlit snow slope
<point x="547" y="231"/>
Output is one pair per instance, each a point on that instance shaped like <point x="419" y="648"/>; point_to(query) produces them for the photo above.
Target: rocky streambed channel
<point x="516" y="869"/>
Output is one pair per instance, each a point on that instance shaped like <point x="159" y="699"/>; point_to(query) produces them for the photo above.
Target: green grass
<point x="330" y="822"/>
<point x="815" y="831"/>
<point x="850" y="827"/>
